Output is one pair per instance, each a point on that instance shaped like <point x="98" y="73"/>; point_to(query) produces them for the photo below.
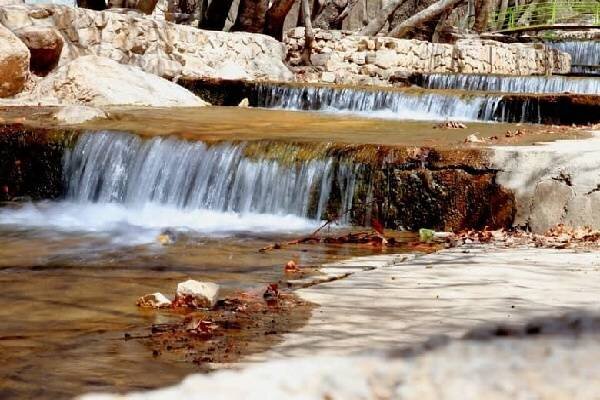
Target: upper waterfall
<point x="383" y="103"/>
<point x="109" y="167"/>
<point x="512" y="84"/>
<point x="585" y="55"/>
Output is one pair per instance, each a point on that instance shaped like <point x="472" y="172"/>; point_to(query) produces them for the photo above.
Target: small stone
<point x="196" y="294"/>
<point x="328" y="77"/>
<point x="359" y="58"/>
<point x="272" y="292"/>
<point x="245" y="103"/>
<point x="386" y="58"/>
<point x="319" y="60"/>
<point x="291" y="267"/>
<point x="473" y="139"/>
<point x="72" y="115"/>
<point x="154" y="300"/>
<point x="297" y="33"/>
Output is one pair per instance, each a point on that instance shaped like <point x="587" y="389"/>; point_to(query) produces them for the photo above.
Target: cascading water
<point x="387" y="104"/>
<point x="110" y="167"/>
<point x="585" y="55"/>
<point x="119" y="182"/>
<point x="512" y="84"/>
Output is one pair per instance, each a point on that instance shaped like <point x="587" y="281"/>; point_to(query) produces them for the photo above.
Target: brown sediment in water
<point x="238" y="326"/>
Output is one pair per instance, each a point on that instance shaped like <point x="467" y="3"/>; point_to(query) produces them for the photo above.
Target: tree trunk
<point x="171" y="10"/>
<point x="365" y="12"/>
<point x="328" y="16"/>
<point x="215" y="15"/>
<point x="146" y="6"/>
<point x="251" y="16"/>
<point x="439" y="27"/>
<point x="482" y="15"/>
<point x="97" y="5"/>
<point x="276" y="18"/>
<point x="420" y="18"/>
<point x="380" y="19"/>
<point x="332" y="13"/>
<point x="309" y="36"/>
<point x="349" y="7"/>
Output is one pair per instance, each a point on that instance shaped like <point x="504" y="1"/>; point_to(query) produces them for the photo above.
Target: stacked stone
<point x="341" y="57"/>
<point x="158" y="47"/>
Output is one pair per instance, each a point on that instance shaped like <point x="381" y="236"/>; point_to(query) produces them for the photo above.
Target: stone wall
<point x="158" y="47"/>
<point x="341" y="57"/>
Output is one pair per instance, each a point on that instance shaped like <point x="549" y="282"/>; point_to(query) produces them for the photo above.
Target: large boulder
<point x="45" y="45"/>
<point x="14" y="63"/>
<point x="99" y="81"/>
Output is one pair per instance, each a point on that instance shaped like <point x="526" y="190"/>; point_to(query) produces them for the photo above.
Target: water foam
<point x="142" y="223"/>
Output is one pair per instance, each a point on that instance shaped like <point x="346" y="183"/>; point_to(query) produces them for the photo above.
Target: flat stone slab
<point x="449" y="292"/>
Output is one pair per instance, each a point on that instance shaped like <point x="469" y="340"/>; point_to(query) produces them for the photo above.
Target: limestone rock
<point x="14" y="63"/>
<point x="154" y="300"/>
<point x="197" y="294"/>
<point x="159" y="47"/>
<point x="45" y="45"/>
<point x="72" y="115"/>
<point x="99" y="81"/>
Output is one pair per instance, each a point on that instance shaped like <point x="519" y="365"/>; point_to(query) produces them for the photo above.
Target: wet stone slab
<point x="448" y="293"/>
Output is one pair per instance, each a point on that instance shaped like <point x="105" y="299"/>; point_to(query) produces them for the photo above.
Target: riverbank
<point x="393" y="324"/>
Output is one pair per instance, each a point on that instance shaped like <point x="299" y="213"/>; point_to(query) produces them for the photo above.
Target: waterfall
<point x="389" y="104"/>
<point x="512" y="84"/>
<point x="585" y="55"/>
<point x="110" y="167"/>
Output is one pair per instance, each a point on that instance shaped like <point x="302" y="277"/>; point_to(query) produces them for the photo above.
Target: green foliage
<point x="584" y="12"/>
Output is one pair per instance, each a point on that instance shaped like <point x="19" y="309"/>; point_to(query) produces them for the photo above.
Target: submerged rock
<point x="101" y="81"/>
<point x="154" y="300"/>
<point x="14" y="63"/>
<point x="196" y="294"/>
<point x="72" y="115"/>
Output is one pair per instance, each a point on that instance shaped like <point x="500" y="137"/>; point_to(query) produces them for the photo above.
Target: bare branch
<point x="430" y="13"/>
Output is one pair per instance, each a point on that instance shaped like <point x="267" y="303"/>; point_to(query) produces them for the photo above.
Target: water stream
<point x="71" y="269"/>
<point x="383" y="103"/>
<point x="512" y="84"/>
<point x="585" y="55"/>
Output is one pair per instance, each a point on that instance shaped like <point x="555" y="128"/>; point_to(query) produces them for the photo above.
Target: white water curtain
<point x="71" y="3"/>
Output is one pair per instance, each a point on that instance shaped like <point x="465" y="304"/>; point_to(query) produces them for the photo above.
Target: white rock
<point x="72" y="115"/>
<point x="14" y="63"/>
<point x="386" y="58"/>
<point x="328" y="77"/>
<point x="154" y="300"/>
<point x="245" y="103"/>
<point x="100" y="81"/>
<point x="198" y="294"/>
<point x="473" y="139"/>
